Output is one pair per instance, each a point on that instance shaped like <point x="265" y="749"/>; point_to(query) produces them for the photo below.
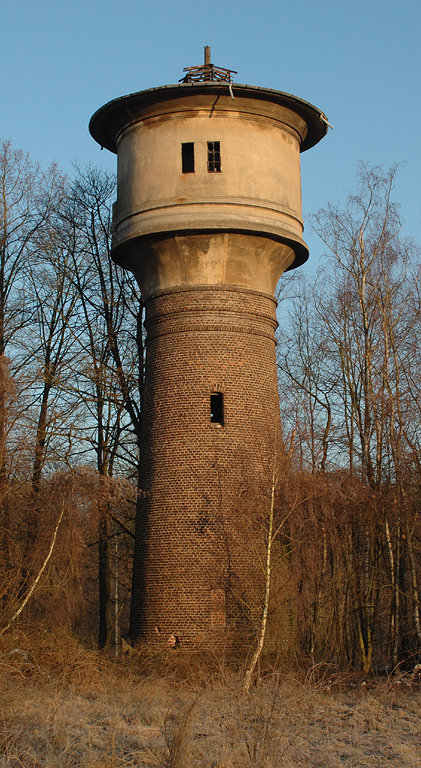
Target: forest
<point x="346" y="552"/>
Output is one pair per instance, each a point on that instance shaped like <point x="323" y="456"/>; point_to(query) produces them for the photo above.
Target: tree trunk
<point x="104" y="579"/>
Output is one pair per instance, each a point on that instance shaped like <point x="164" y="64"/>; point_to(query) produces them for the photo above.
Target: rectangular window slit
<point x="187" y="157"/>
<point x="217" y="408"/>
<point x="214" y="157"/>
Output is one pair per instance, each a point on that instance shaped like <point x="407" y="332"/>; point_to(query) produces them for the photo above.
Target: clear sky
<point x="357" y="61"/>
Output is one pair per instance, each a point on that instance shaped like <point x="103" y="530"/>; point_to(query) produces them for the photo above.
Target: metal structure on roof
<point x="207" y="72"/>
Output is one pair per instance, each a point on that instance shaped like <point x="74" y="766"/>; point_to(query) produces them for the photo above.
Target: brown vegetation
<point x="349" y="360"/>
<point x="343" y="521"/>
<point x="63" y="706"/>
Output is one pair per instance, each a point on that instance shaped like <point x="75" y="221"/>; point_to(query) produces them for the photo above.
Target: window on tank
<point x="187" y="157"/>
<point x="214" y="157"/>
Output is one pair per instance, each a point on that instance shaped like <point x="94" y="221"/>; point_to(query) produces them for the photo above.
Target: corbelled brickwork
<point x="201" y="481"/>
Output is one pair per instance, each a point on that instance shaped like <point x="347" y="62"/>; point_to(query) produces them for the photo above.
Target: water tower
<point x="208" y="217"/>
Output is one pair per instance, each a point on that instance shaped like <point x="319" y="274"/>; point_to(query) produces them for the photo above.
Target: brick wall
<point x="203" y="484"/>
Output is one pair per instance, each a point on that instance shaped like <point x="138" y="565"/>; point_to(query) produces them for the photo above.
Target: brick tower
<point x="208" y="217"/>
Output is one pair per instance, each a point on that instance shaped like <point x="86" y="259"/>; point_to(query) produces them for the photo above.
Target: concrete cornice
<point x="108" y="122"/>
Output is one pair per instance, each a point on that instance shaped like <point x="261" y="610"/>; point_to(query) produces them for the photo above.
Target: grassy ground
<point x="62" y="706"/>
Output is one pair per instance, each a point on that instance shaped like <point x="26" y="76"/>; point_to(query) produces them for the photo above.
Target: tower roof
<point x="106" y="124"/>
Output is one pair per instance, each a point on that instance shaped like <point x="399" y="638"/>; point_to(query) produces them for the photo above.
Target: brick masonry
<point x="203" y="484"/>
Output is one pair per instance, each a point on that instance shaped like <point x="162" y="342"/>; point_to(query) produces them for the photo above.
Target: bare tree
<point x="108" y="367"/>
<point x="350" y="361"/>
<point x="27" y="199"/>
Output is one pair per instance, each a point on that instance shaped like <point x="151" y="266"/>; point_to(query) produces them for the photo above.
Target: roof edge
<point x="107" y="121"/>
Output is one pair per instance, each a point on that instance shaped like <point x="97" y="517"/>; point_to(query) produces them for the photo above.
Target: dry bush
<point x="66" y="595"/>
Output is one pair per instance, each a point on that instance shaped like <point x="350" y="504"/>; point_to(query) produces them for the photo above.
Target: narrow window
<point x="217" y="408"/>
<point x="214" y="157"/>
<point x="187" y="157"/>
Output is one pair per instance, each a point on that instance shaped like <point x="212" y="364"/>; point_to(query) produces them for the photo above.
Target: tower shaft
<point x="210" y="423"/>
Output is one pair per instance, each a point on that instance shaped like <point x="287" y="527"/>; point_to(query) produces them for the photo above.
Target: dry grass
<point x="62" y="706"/>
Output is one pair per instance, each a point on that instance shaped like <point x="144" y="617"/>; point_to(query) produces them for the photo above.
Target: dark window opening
<point x="217" y="408"/>
<point x="214" y="157"/>
<point x="187" y="157"/>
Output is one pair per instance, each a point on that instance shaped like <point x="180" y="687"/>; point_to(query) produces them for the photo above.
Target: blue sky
<point x="358" y="61"/>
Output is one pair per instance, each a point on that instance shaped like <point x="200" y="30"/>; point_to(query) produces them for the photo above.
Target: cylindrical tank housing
<point x="208" y="216"/>
<point x="192" y="159"/>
